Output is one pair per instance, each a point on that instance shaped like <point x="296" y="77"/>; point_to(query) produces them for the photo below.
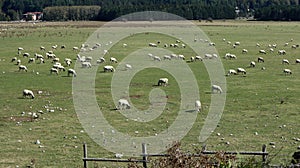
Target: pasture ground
<point x="263" y="102"/>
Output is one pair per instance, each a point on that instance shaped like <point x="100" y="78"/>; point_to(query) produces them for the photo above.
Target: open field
<point x="261" y="107"/>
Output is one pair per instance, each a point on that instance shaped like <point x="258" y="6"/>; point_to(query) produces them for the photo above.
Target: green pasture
<point x="261" y="107"/>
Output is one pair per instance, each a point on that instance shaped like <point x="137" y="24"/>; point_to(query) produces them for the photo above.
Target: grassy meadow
<point x="261" y="107"/>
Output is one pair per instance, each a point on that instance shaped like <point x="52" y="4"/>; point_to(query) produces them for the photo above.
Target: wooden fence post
<point x="144" y="152"/>
<point x="85" y="165"/>
<point x="264" y="156"/>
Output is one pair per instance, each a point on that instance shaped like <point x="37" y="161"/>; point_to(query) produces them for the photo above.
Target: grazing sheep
<point x="13" y="59"/>
<point x="167" y="57"/>
<point x="123" y="104"/>
<point x="262" y="52"/>
<point x="75" y="48"/>
<point x="197" y="57"/>
<point x="163" y="82"/>
<point x="23" y="68"/>
<point x="54" y="70"/>
<point x="59" y="67"/>
<point x="38" y="56"/>
<point x="18" y="62"/>
<point x="86" y="65"/>
<point x="212" y="44"/>
<point x="26" y="55"/>
<point x="42" y="60"/>
<point x="125" y="45"/>
<point x="252" y="64"/>
<point x="260" y="59"/>
<point x="100" y="60"/>
<point x="281" y="52"/>
<point x="180" y="56"/>
<point x="54" y="60"/>
<point x="20" y="49"/>
<point x="285" y="61"/>
<point x="192" y="59"/>
<point x="28" y="93"/>
<point x="297" y="61"/>
<point x="156" y="58"/>
<point x="271" y="49"/>
<point x="287" y="71"/>
<point x="152" y="45"/>
<point x="63" y="46"/>
<point x="72" y="71"/>
<point x="88" y="59"/>
<point x="113" y="60"/>
<point x="231" y="72"/>
<point x="31" y="60"/>
<point x="237" y="43"/>
<point x="241" y="70"/>
<point x="244" y="51"/>
<point x="50" y="55"/>
<point x="257" y="45"/>
<point x="208" y="56"/>
<point x="42" y="48"/>
<point x="128" y="66"/>
<point x="198" y="105"/>
<point x="175" y="56"/>
<point x="216" y="88"/>
<point x="108" y="68"/>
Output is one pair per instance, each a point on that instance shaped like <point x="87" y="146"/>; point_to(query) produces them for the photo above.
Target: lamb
<point x="163" y="82"/>
<point x="287" y="71"/>
<point x="113" y="60"/>
<point x="86" y="65"/>
<point x="241" y="70"/>
<point x="252" y="64"/>
<point x="198" y="105"/>
<point x="54" y="70"/>
<point x="231" y="71"/>
<point x="216" y="88"/>
<point x="108" y="68"/>
<point x="23" y="68"/>
<point x="123" y="104"/>
<point x="285" y="61"/>
<point x="260" y="59"/>
<point x="73" y="72"/>
<point x="28" y="93"/>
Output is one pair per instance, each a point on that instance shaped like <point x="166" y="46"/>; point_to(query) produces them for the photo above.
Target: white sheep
<point x="100" y="60"/>
<point x="198" y="105"/>
<point x="73" y="72"/>
<point x="86" y="65"/>
<point x="260" y="59"/>
<point x="163" y="82"/>
<point x="59" y="67"/>
<point x="128" y="66"/>
<point x="13" y="59"/>
<point x="113" y="60"/>
<point x="285" y="61"/>
<point x="123" y="104"/>
<point x="38" y="56"/>
<point x="88" y="59"/>
<point x="192" y="59"/>
<point x="54" y="70"/>
<point x="297" y="61"/>
<point x="287" y="71"/>
<point x="216" y="88"/>
<point x="42" y="48"/>
<point x="197" y="57"/>
<point x="262" y="52"/>
<point x="55" y="60"/>
<point x="31" y="60"/>
<point x="28" y="93"/>
<point x="152" y="45"/>
<point x="42" y="60"/>
<point x="252" y="64"/>
<point x="167" y="57"/>
<point x="237" y="43"/>
<point x="54" y="47"/>
<point x="241" y="70"/>
<point x="231" y="72"/>
<point x="156" y="58"/>
<point x="75" y="48"/>
<point x="26" y="55"/>
<point x="180" y="56"/>
<point x="244" y="51"/>
<point x="108" y="68"/>
<point x="18" y="62"/>
<point x="23" y="68"/>
<point x="281" y="52"/>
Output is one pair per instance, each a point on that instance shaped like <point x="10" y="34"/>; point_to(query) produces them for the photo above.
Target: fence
<point x="145" y="155"/>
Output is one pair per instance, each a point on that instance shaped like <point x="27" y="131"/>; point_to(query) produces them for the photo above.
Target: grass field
<point x="263" y="102"/>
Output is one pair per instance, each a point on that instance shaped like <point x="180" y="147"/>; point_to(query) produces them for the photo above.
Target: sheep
<point x="88" y="59"/>
<point x="167" y="57"/>
<point x="18" y="62"/>
<point x="183" y="45"/>
<point x="13" y="59"/>
<point x="73" y="72"/>
<point x="257" y="45"/>
<point x="50" y="55"/>
<point x="108" y="68"/>
<point x="26" y="55"/>
<point x="54" y="47"/>
<point x="262" y="52"/>
<point x="75" y="48"/>
<point x="216" y="88"/>
<point x="281" y="52"/>
<point x="123" y="104"/>
<point x="260" y="59"/>
<point x="55" y="60"/>
<point x="197" y="57"/>
<point x="192" y="59"/>
<point x="271" y="49"/>
<point x="231" y="71"/>
<point x="163" y="82"/>
<point x="31" y="60"/>
<point x="63" y="46"/>
<point x="237" y="43"/>
<point x="128" y="66"/>
<point x="42" y="60"/>
<point x="285" y="61"/>
<point x="23" y="68"/>
<point x="212" y="44"/>
<point x="152" y="45"/>
<point x="20" y="49"/>
<point x="28" y="93"/>
<point x="241" y="70"/>
<point x="208" y="56"/>
<point x="42" y="48"/>
<point x="230" y="56"/>
<point x="100" y="60"/>
<point x="297" y="61"/>
<point x="180" y="56"/>
<point x="287" y="71"/>
<point x="175" y="56"/>
<point x="156" y="58"/>
<point x="68" y="63"/>
<point x="125" y="45"/>
<point x="86" y="65"/>
<point x="59" y="67"/>
<point x="198" y="105"/>
<point x="113" y="60"/>
<point x="244" y="51"/>
<point x="252" y="64"/>
<point x="38" y="56"/>
<point x="54" y="70"/>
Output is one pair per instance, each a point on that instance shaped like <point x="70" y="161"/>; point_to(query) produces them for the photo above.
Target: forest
<point x="63" y="10"/>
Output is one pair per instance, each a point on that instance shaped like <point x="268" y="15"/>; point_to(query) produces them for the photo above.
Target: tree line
<point x="189" y="9"/>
